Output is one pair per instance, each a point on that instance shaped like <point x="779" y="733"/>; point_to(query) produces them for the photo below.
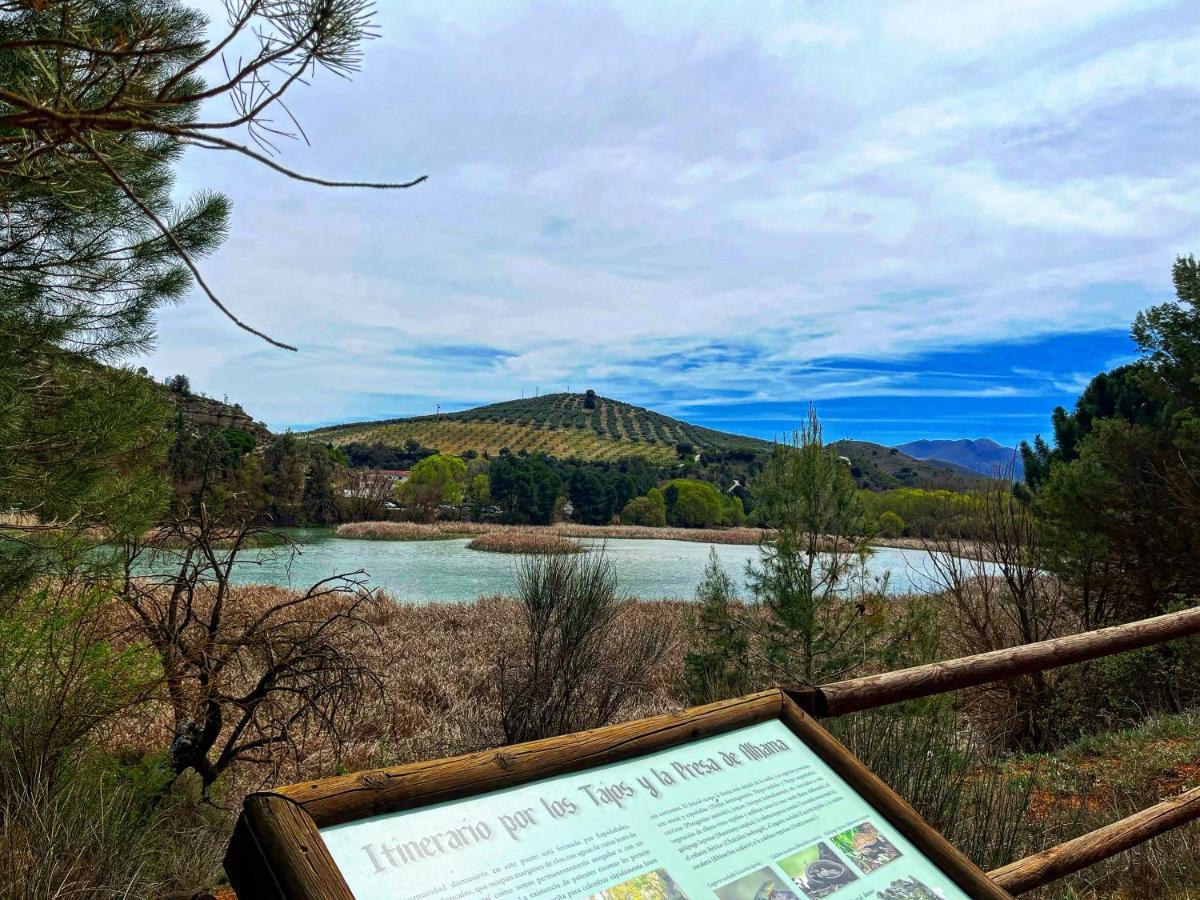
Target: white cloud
<point x="626" y="191"/>
<point x="955" y="25"/>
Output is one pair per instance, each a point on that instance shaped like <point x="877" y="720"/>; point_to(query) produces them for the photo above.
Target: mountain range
<point x="981" y="455"/>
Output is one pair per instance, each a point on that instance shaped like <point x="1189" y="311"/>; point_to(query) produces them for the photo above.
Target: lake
<point x="446" y="571"/>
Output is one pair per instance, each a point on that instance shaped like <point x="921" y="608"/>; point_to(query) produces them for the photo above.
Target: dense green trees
<point x="435" y="480"/>
<point x="1120" y="394"/>
<point x="1117" y="491"/>
<point x="599" y="492"/>
<point x="919" y="513"/>
<point x="692" y="503"/>
<point x="525" y="488"/>
<point x="382" y="456"/>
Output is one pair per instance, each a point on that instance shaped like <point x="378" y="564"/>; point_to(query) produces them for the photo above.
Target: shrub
<point x="693" y="504"/>
<point x="649" y="511"/>
<point x="575" y="666"/>
<point x="890" y="525"/>
<point x="61" y="679"/>
<point x="733" y="512"/>
<point x="922" y="752"/>
<point x="75" y="838"/>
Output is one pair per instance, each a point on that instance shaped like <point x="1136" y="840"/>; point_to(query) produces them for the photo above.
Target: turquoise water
<point x="446" y="571"/>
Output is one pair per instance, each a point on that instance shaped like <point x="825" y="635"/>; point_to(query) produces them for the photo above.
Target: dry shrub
<point x="74" y="839"/>
<point x="524" y="541"/>
<point x="924" y="754"/>
<point x="253" y="678"/>
<point x="436" y="664"/>
<point x="573" y="667"/>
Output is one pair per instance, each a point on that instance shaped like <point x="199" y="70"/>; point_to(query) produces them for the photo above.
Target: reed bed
<point x="437" y="663"/>
<point x="411" y="531"/>
<point x="520" y="541"/>
<point x="415" y="531"/>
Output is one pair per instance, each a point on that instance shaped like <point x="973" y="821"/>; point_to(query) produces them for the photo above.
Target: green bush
<point x="890" y="524"/>
<point x="693" y="504"/>
<point x="649" y="511"/>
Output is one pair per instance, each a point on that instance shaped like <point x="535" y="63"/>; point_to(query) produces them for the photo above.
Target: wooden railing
<point x="1040" y="869"/>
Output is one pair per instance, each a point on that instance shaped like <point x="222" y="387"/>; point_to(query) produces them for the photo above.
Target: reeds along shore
<point x="414" y="531"/>
<point x="417" y="531"/>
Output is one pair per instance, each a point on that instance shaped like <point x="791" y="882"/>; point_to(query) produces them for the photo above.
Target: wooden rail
<point x="1057" y="862"/>
<point x="1034" y="871"/>
<point x="874" y="691"/>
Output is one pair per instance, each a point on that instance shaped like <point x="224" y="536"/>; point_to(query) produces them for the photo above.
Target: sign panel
<point x="751" y="814"/>
<point x="747" y="799"/>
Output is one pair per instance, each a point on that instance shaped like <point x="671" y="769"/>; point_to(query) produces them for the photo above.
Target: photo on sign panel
<point x="656" y="885"/>
<point x="761" y="884"/>
<point x="864" y="846"/>
<point x="817" y="871"/>
<point x="910" y="889"/>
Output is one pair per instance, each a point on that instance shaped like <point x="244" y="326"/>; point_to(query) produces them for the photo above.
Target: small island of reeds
<point x="523" y="541"/>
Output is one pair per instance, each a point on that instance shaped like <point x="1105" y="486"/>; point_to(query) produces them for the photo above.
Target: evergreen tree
<point x="717" y="666"/>
<point x="811" y="576"/>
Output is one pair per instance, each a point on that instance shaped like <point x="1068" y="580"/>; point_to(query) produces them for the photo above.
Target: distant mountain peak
<point x="982" y="455"/>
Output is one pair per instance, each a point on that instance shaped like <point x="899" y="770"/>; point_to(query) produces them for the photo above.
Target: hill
<point x="982" y="455"/>
<point x="562" y="425"/>
<point x="586" y="427"/>
<point x="882" y="468"/>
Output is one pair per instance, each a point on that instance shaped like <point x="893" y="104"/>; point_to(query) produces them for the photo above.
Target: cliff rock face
<point x="207" y="414"/>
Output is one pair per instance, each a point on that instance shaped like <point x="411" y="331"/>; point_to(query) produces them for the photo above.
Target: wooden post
<point x="856" y="694"/>
<point x="1058" y="862"/>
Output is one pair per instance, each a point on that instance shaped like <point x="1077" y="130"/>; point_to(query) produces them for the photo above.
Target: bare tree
<point x="367" y="493"/>
<point x="247" y="677"/>
<point x="992" y="587"/>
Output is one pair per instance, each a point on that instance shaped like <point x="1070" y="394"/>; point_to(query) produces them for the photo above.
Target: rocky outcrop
<point x="207" y="414"/>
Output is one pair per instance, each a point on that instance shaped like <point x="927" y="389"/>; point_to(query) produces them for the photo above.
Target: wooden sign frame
<point x="277" y="852"/>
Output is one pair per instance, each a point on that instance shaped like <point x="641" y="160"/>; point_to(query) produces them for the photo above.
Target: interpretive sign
<point x="745" y="800"/>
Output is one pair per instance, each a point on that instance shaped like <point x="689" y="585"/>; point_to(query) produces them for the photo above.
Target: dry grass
<point x="440" y="698"/>
<point x="413" y="531"/>
<point x="438" y="667"/>
<point x="518" y="541"/>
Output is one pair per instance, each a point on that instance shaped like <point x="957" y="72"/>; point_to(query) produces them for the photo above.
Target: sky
<point x="929" y="218"/>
